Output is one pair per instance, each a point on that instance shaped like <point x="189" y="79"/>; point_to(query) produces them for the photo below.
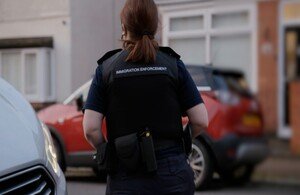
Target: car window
<point x="201" y="76"/>
<point x="220" y="82"/>
<point x="238" y="84"/>
<point x="232" y="82"/>
<point x="83" y="90"/>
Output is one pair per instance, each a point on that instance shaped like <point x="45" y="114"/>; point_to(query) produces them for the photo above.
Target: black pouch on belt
<point x="105" y="158"/>
<point x="147" y="150"/>
<point x="127" y="149"/>
<point x="187" y="139"/>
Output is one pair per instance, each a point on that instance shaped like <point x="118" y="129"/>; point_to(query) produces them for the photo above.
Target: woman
<point x="147" y="87"/>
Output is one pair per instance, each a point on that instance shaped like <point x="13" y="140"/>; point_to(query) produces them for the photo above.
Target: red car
<point x="232" y="145"/>
<point x="234" y="142"/>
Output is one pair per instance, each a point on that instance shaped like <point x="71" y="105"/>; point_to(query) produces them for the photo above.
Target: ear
<point x="124" y="31"/>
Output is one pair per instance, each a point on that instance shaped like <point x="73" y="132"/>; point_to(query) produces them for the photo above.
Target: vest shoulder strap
<point x="107" y="63"/>
<point x="107" y="55"/>
<point x="170" y="52"/>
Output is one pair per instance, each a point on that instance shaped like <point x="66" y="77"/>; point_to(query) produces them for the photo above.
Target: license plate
<point x="252" y="120"/>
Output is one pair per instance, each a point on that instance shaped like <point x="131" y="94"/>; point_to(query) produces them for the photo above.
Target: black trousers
<point x="173" y="176"/>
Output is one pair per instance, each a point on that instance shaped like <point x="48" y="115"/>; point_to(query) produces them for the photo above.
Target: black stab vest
<point x="139" y="96"/>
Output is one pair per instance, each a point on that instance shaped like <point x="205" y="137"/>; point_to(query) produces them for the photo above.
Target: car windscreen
<point x="234" y="82"/>
<point x="202" y="76"/>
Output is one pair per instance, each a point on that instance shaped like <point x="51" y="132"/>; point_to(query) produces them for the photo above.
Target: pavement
<point x="281" y="166"/>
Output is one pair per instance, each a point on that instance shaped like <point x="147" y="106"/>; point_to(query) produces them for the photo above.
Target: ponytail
<point x="140" y="18"/>
<point x="143" y="50"/>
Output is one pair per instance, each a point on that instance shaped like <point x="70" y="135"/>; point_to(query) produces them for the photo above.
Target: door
<point x="291" y="67"/>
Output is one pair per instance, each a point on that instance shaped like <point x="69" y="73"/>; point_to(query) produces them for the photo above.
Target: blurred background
<point x="49" y="48"/>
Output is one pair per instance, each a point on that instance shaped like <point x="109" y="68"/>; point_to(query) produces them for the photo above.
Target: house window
<point x="230" y="19"/>
<point x="189" y="49"/>
<point x="11" y="68"/>
<point x="30" y="71"/>
<point x="291" y="11"/>
<point x="30" y="74"/>
<point x="231" y="51"/>
<point x="186" y="23"/>
<point x="218" y="35"/>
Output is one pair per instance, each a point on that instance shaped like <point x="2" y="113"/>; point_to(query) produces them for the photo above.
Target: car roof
<point x="77" y="92"/>
<point x="217" y="70"/>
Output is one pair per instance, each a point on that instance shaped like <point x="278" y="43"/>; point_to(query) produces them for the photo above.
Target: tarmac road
<point x="83" y="181"/>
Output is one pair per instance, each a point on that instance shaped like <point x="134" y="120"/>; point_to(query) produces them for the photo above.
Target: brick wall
<point x="267" y="62"/>
<point x="294" y="105"/>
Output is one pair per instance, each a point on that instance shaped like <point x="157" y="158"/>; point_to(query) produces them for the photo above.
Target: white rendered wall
<point x="28" y="9"/>
<point x="37" y="18"/>
<point x="55" y="28"/>
<point x="93" y="33"/>
<point x="118" y="7"/>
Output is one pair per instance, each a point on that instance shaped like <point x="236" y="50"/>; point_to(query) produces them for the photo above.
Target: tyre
<point x="240" y="175"/>
<point x="202" y="165"/>
<point x="59" y="154"/>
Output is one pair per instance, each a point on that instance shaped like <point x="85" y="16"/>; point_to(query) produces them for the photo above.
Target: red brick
<point x="294" y="105"/>
<point x="267" y="62"/>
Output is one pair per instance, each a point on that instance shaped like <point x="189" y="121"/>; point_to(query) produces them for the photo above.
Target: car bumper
<point x="61" y="186"/>
<point x="252" y="151"/>
<point x="232" y="151"/>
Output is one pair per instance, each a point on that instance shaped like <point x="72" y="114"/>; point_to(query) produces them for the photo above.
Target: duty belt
<point x="163" y="144"/>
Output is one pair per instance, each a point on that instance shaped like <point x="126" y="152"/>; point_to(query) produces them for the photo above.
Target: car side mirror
<point x="79" y="103"/>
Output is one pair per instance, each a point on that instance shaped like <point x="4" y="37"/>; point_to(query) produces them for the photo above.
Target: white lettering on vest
<point x="142" y="69"/>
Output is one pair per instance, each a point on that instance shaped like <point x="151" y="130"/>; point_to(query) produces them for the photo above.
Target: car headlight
<point x="50" y="149"/>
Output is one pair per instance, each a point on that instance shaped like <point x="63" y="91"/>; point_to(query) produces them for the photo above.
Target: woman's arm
<point x="92" y="122"/>
<point x="198" y="119"/>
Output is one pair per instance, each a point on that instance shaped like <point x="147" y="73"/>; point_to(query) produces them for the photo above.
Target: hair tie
<point x="146" y="33"/>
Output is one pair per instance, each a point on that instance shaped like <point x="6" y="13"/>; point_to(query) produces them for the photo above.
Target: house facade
<point x="259" y="37"/>
<point x="48" y="49"/>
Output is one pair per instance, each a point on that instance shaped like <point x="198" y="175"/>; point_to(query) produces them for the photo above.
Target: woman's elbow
<point x="203" y="124"/>
<point x="198" y="116"/>
<point x="205" y="121"/>
<point x="91" y="122"/>
<point x="88" y="129"/>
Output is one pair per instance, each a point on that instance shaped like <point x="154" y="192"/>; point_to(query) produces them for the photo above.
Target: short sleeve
<point x="96" y="96"/>
<point x="188" y="92"/>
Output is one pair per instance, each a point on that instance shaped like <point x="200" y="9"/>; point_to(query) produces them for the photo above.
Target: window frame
<point x="207" y="10"/>
<point x="23" y="73"/>
<point x="41" y="60"/>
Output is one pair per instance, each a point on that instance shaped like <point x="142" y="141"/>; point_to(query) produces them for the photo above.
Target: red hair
<point x="140" y="18"/>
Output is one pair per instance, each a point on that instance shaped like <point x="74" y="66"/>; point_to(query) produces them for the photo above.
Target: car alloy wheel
<point x="202" y="165"/>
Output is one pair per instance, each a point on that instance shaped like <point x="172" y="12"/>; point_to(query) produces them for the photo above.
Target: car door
<point x="74" y="124"/>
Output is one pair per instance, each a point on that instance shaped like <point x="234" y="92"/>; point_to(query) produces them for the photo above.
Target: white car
<point x="28" y="163"/>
